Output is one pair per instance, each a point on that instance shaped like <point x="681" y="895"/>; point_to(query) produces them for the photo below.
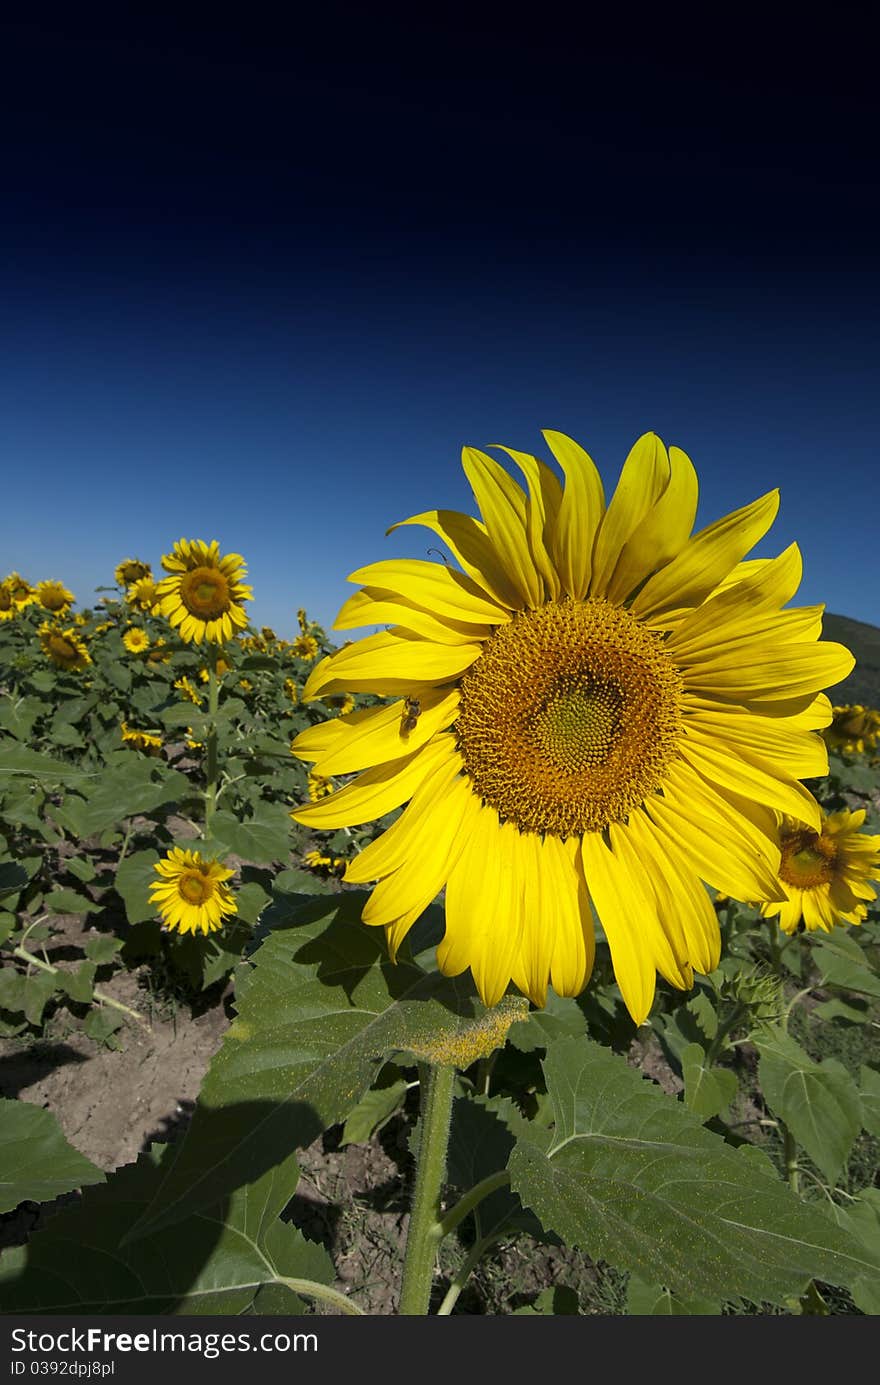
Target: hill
<point x="863" y="684"/>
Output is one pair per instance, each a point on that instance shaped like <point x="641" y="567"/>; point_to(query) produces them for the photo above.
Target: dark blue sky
<point x="261" y="280"/>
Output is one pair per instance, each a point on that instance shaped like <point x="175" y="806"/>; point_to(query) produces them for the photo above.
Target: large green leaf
<point x="36" y="1162"/>
<point x="17" y="761"/>
<point x="320" y="1011"/>
<point x="629" y="1175"/>
<point x="819" y="1102"/>
<point x="138" y="786"/>
<point x="842" y="962"/>
<point x="708" y="1090"/>
<point x="215" y="1262"/>
<point x="861" y="1218"/>
<point x="264" y="838"/>
<point x="869" y="1091"/>
<point x="132" y="882"/>
<point x="650" y="1300"/>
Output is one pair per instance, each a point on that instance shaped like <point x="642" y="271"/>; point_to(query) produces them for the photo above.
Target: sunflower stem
<point x="101" y="996"/>
<point x="437" y="1086"/>
<point x="791" y="1160"/>
<point x="211" y="763"/>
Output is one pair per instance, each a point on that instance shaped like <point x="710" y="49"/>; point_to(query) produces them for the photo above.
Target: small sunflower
<point x="160" y="653"/>
<point x="64" y="647"/>
<point x="825" y="874"/>
<point x="191" y="895"/>
<point x="8" y="607"/>
<point x="136" y="640"/>
<point x="202" y="597"/>
<point x="144" y="594"/>
<point x="131" y="570"/>
<point x="246" y="685"/>
<point x="268" y="634"/>
<point x="291" y="689"/>
<point x="23" y="594"/>
<point x="596" y="711"/>
<point x="854" y="729"/>
<point x="220" y="668"/>
<point x="55" y="598"/>
<point x="319" y="785"/>
<point x="147" y="741"/>
<point x="305" y="647"/>
<point x="317" y="861"/>
<point x="188" y="691"/>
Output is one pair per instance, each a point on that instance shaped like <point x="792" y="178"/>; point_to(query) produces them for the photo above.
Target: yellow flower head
<point x="191" y="894"/>
<point x="22" y="593"/>
<point x="246" y="685"/>
<point x="147" y="741"/>
<point x="854" y="729"/>
<point x="131" y="570"/>
<point x="825" y="873"/>
<point x="202" y="597"/>
<point x="268" y="634"/>
<point x="189" y="691"/>
<point x="144" y="594"/>
<point x="291" y="689"/>
<point x="302" y="620"/>
<point x="220" y="667"/>
<point x="55" y="598"/>
<point x="160" y="653"/>
<point x="64" y="647"/>
<point x="317" y="861"/>
<point x="319" y="785"/>
<point x="597" y="710"/>
<point x="8" y="608"/>
<point x="305" y="647"/>
<point x="136" y="640"/>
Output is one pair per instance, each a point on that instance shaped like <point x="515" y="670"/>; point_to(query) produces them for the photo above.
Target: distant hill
<point x="863" y="684"/>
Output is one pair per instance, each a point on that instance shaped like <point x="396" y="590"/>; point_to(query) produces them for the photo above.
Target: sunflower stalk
<point x="437" y="1088"/>
<point x="211" y="775"/>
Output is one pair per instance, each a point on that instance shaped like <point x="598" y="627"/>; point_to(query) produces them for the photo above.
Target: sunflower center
<point x="5" y="599"/>
<point x="569" y="717"/>
<point x="808" y="860"/>
<point x="62" y="648"/>
<point x="53" y="600"/>
<point x="205" y="592"/>
<point x="195" y="887"/>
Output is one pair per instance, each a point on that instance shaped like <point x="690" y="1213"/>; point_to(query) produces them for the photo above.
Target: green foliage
<point x="36" y="1162"/>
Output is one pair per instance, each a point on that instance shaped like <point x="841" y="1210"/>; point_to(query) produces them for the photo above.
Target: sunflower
<point x="147" y="741"/>
<point x="55" y="598"/>
<point x="305" y="647"/>
<point x="144" y="595"/>
<point x="291" y="689"/>
<point x="22" y="593"/>
<point x="131" y="570"/>
<point x="203" y="595"/>
<point x="853" y="729"/>
<point x="191" y="895"/>
<point x="188" y="690"/>
<point x="600" y="712"/>
<point x="136" y="640"/>
<point x="825" y="873"/>
<point x="63" y="647"/>
<point x="220" y="668"/>
<point x="8" y="607"/>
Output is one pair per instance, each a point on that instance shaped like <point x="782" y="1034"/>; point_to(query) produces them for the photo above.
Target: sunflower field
<point x="565" y="872"/>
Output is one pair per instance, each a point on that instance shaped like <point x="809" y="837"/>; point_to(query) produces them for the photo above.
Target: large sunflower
<point x="191" y="894"/>
<point x="825" y="873"/>
<point x="599" y="710"/>
<point x="64" y="647"/>
<point x="55" y="597"/>
<point x="203" y="595"/>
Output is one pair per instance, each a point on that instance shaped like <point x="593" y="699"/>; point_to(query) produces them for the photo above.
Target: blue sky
<point x="271" y="306"/>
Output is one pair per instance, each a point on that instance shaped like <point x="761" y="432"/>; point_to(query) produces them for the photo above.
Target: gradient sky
<point x="261" y="282"/>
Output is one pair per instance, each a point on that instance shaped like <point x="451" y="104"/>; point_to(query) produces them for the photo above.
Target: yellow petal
<point x="378" y="790"/>
<point x="663" y="936"/>
<point x="483" y="912"/>
<point x="390" y="663"/>
<point x="572" y="536"/>
<point x="643" y="479"/>
<point x="762" y="589"/>
<point x="503" y="507"/>
<point x="542" y="508"/>
<point x="434" y="587"/>
<point x="381" y="736"/>
<point x="400" y="842"/>
<point x="626" y="914"/>
<point x="801" y="753"/>
<point x="662" y="533"/>
<point x="370" y="606"/>
<point x="470" y="545"/>
<point x="706" y="559"/>
<point x="682" y="900"/>
<point x="770" y="671"/>
<point x="747" y="774"/>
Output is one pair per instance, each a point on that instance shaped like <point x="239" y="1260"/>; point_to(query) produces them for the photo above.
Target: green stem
<point x="437" y="1087"/>
<point x="790" y="1152"/>
<point x="323" y="1293"/>
<point x="724" y="1028"/>
<point x="469" y="1202"/>
<point x="211" y="761"/>
<point x="474" y="1255"/>
<point x="99" y="995"/>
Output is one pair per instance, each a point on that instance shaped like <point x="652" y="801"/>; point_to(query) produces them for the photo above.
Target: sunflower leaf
<point x="819" y="1102"/>
<point x="319" y="1013"/>
<point x="631" y="1176"/>
<point x="36" y="1162"/>
<point x="216" y="1262"/>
